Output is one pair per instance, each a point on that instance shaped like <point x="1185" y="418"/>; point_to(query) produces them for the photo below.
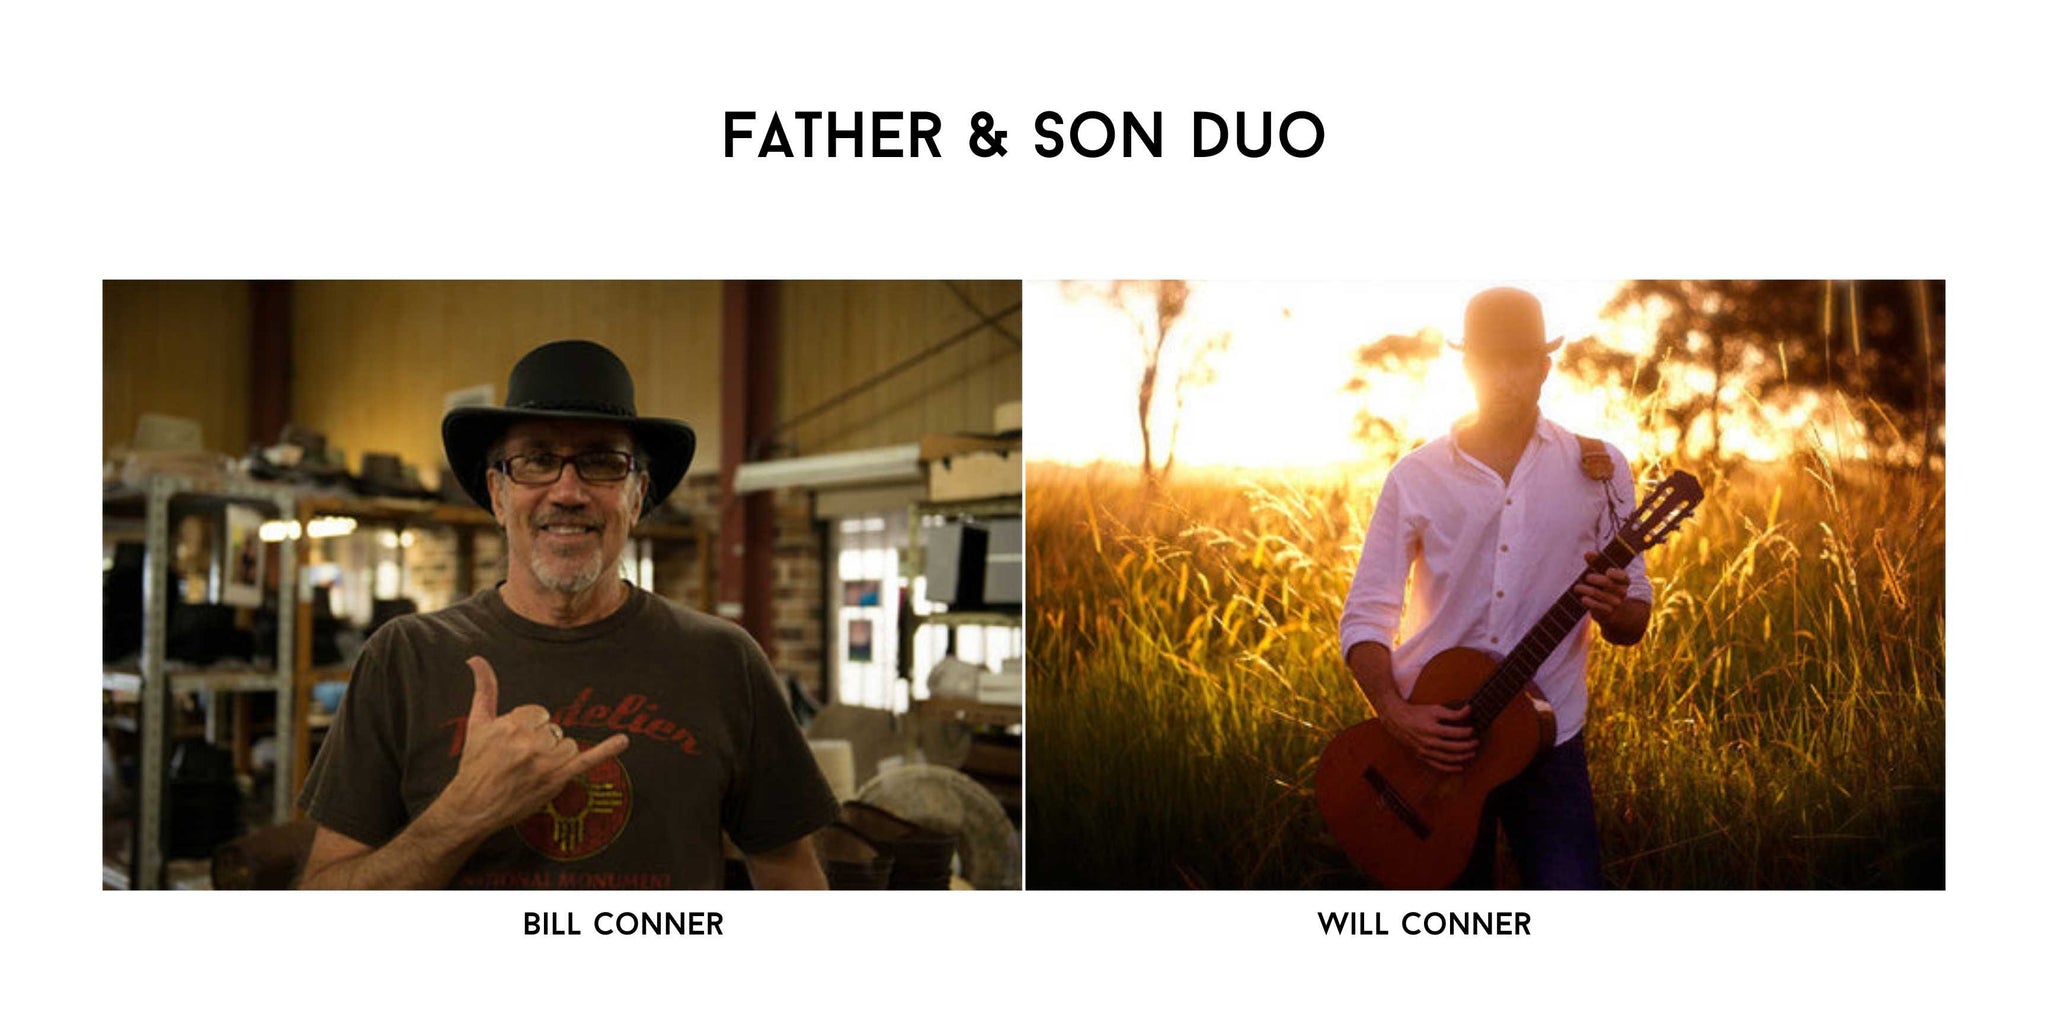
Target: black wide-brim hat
<point x="567" y="380"/>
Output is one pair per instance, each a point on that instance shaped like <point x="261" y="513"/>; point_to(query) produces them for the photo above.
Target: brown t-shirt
<point x="712" y="747"/>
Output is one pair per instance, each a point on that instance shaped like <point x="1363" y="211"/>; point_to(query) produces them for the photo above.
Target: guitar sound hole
<point x="1395" y="804"/>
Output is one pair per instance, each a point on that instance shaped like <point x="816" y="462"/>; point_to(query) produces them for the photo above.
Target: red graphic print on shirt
<point x="585" y="816"/>
<point x="591" y="811"/>
<point x="634" y="714"/>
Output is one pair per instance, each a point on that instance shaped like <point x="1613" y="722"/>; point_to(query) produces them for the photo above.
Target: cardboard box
<point x="976" y="475"/>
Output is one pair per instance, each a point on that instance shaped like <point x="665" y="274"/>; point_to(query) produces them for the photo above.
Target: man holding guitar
<point x="1492" y="519"/>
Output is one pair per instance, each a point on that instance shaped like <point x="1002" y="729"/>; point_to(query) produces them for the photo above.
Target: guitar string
<point x="1564" y="614"/>
<point x="1493" y="695"/>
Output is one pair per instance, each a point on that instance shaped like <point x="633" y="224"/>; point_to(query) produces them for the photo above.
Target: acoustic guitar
<point x="1410" y="826"/>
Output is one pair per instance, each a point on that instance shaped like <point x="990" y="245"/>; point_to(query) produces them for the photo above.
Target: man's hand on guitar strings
<point x="1602" y="591"/>
<point x="1437" y="734"/>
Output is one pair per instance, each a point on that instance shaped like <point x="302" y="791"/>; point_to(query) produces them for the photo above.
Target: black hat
<point x="567" y="380"/>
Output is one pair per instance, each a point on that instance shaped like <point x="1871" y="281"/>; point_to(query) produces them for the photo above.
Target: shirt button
<point x="1503" y="547"/>
<point x="1494" y="639"/>
<point x="1511" y="501"/>
<point x="1500" y="593"/>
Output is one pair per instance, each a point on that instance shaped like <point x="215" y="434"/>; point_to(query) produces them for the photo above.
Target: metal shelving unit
<point x="155" y="684"/>
<point x="913" y="566"/>
<point x="967" y="712"/>
<point x="913" y="562"/>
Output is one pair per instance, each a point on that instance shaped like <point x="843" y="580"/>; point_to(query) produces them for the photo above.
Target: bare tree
<point x="1172" y="354"/>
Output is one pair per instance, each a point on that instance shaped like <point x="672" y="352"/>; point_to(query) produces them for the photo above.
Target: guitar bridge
<point x="1394" y="803"/>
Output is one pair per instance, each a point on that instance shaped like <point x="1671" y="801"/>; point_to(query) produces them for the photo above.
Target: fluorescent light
<point x="278" y="529"/>
<point x="888" y="465"/>
<point x="331" y="526"/>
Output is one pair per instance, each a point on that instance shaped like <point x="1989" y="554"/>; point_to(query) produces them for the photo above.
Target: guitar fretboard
<point x="1516" y="670"/>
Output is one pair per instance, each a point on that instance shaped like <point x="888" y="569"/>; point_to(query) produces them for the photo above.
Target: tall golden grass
<point x="1781" y="726"/>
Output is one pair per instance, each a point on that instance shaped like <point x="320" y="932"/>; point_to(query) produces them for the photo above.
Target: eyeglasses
<point x="591" y="467"/>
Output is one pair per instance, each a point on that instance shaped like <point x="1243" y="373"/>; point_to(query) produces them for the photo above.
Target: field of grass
<point x="1781" y="726"/>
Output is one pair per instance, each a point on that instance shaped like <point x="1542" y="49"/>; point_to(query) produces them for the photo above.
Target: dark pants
<point x="1547" y="812"/>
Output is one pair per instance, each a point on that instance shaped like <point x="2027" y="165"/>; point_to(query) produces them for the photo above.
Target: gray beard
<point x="569" y="583"/>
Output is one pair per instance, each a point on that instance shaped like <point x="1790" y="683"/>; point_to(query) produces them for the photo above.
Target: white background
<point x="1464" y="140"/>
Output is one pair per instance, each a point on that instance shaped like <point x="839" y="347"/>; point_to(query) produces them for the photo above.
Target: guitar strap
<point x="1593" y="460"/>
<point x="1598" y="465"/>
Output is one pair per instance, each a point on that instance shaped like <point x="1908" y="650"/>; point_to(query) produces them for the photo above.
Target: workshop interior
<point x="275" y="492"/>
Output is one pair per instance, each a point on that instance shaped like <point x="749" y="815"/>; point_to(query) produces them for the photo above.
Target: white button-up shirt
<point x="1488" y="558"/>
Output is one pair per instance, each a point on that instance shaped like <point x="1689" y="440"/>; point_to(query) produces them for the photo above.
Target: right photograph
<point x="1574" y="584"/>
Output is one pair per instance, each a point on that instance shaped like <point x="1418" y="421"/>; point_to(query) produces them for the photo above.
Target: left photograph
<point x="562" y="584"/>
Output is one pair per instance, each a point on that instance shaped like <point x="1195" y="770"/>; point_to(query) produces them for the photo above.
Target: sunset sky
<point x="1279" y="397"/>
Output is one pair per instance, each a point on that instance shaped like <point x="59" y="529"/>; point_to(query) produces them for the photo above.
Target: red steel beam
<point x="746" y="538"/>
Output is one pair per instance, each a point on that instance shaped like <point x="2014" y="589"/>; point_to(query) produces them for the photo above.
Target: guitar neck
<point x="1519" y="667"/>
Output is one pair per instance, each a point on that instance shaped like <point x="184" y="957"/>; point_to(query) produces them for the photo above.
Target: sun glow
<point x="1289" y="389"/>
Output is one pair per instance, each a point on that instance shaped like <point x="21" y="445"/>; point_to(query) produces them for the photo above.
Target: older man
<point x="1491" y="519"/>
<point x="564" y="729"/>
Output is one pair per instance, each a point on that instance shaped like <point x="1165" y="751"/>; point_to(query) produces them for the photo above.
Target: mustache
<point x="565" y="519"/>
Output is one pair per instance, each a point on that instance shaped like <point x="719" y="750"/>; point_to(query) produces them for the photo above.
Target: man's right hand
<point x="1435" y="733"/>
<point x="513" y="764"/>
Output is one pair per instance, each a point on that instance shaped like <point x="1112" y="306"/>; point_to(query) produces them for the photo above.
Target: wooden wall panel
<point x="836" y="334"/>
<point x="176" y="347"/>
<point x="373" y="360"/>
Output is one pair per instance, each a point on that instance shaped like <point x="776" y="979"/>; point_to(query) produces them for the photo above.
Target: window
<point x="867" y="585"/>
